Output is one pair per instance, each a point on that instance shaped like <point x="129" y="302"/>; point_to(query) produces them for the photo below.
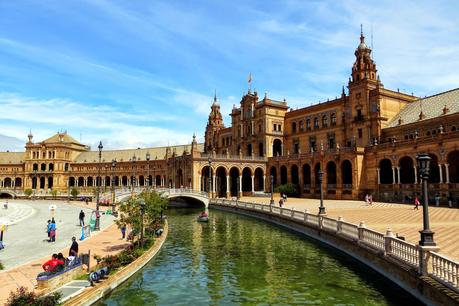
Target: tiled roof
<point x="126" y="155"/>
<point x="65" y="138"/>
<point x="431" y="107"/>
<point x="12" y="157"/>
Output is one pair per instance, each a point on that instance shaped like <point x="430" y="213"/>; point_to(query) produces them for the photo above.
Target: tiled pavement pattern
<point x="401" y="218"/>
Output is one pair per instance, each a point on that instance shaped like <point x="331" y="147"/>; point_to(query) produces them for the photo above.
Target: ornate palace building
<point x="365" y="141"/>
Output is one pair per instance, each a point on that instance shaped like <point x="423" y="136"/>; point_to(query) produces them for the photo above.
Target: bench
<point x="58" y="278"/>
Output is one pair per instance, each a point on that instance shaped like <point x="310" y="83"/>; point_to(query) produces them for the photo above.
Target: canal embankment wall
<point x="396" y="260"/>
<point x="96" y="293"/>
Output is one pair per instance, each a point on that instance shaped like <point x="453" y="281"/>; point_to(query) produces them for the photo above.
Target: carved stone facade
<point x="365" y="141"/>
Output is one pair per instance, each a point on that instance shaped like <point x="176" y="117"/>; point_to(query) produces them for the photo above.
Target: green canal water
<point x="236" y="260"/>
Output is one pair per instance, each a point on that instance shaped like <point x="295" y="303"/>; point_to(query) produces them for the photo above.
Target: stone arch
<point x="141" y="180"/>
<point x="124" y="180"/>
<point x="306" y="174"/>
<point x="51" y="167"/>
<point x="7" y="182"/>
<point x="42" y="182"/>
<point x="406" y="170"/>
<point x="34" y="182"/>
<point x="283" y="174"/>
<point x="158" y="180"/>
<point x="108" y="181"/>
<point x="346" y="172"/>
<point x="331" y="173"/>
<point x="294" y="175"/>
<point x="261" y="149"/>
<point x="385" y="171"/>
<point x="434" y="169"/>
<point x="316" y="174"/>
<point x="273" y="173"/>
<point x="116" y="181"/>
<point x="220" y="184"/>
<point x="81" y="181"/>
<point x="206" y="178"/>
<point x="277" y="147"/>
<point x="43" y="167"/>
<point x="453" y="162"/>
<point x="35" y="167"/>
<point x="50" y="182"/>
<point x="259" y="179"/>
<point x="71" y="181"/>
<point x="89" y="181"/>
<point x="247" y="180"/>
<point x="234" y="181"/>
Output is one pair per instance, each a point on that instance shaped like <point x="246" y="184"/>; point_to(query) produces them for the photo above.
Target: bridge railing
<point x="403" y="253"/>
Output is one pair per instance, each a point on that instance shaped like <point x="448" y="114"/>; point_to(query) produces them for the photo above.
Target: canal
<point x="236" y="260"/>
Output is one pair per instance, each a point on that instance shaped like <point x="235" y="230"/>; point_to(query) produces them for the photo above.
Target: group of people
<point x="51" y="230"/>
<point x="58" y="261"/>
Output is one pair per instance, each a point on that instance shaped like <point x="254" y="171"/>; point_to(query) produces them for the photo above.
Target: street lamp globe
<point x="147" y="157"/>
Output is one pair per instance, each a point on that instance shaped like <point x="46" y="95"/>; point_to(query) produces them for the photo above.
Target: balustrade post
<point x="388" y="241"/>
<point x="425" y="259"/>
<point x="361" y="228"/>
<point x="339" y="225"/>
<point x="321" y="221"/>
<point x="293" y="212"/>
<point x="306" y="216"/>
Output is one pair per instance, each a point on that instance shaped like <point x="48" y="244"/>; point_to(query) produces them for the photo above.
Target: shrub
<point x="288" y="189"/>
<point x="74" y="192"/>
<point x="54" y="193"/>
<point x="1" y="266"/>
<point x="28" y="192"/>
<point x="22" y="296"/>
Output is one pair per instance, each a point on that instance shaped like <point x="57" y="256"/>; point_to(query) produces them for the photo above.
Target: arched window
<point x="324" y="121"/>
<point x="316" y="123"/>
<point x="308" y="124"/>
<point x="293" y="127"/>
<point x="333" y="119"/>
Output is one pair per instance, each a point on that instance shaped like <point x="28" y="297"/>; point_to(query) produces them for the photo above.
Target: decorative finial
<point x="215" y="95"/>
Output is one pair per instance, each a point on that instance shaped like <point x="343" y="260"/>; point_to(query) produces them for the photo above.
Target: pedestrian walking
<point x="416" y="203"/>
<point x="370" y="199"/>
<point x="366" y="199"/>
<point x="48" y="230"/>
<point x="450" y="201"/>
<point x="81" y="217"/>
<point x="437" y="199"/>
<point x="284" y="197"/>
<point x="281" y="202"/>
<point x="123" y="231"/>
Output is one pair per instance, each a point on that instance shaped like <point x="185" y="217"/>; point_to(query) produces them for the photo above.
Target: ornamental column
<point x="393" y="175"/>
<point x="416" y="174"/>
<point x="377" y="173"/>
<point x="441" y="173"/>
<point x="227" y="186"/>
<point x="199" y="182"/>
<point x="213" y="184"/>
<point x="398" y="175"/>
<point x="253" y="184"/>
<point x="240" y="184"/>
<point x="264" y="182"/>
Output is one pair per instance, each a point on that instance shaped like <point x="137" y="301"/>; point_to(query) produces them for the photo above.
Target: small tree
<point x="22" y="296"/>
<point x="130" y="212"/>
<point x="74" y="192"/>
<point x="288" y="189"/>
<point x="28" y="192"/>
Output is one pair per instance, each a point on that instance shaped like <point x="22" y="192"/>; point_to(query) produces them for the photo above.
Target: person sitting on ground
<point x="51" y="265"/>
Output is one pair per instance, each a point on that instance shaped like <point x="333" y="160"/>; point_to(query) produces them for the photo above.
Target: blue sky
<point x="143" y="73"/>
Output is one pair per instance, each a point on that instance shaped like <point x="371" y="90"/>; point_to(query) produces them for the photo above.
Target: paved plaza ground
<point x="401" y="218"/>
<point x="102" y="243"/>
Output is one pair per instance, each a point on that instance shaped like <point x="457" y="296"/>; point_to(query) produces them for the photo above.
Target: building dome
<point x="362" y="46"/>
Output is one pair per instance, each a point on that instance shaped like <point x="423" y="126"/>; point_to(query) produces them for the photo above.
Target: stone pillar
<point x="214" y="189"/>
<point x="398" y="175"/>
<point x="253" y="184"/>
<point x="393" y="175"/>
<point x="415" y="174"/>
<point x="378" y="174"/>
<point x="264" y="183"/>
<point x="199" y="182"/>
<point x="441" y="172"/>
<point x="228" y="186"/>
<point x="85" y="183"/>
<point x="240" y="184"/>
<point x="447" y="173"/>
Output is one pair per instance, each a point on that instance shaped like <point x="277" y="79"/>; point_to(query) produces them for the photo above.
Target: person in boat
<point x="204" y="214"/>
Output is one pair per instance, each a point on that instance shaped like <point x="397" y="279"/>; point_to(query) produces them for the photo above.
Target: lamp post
<point x="271" y="202"/>
<point x="142" y="214"/>
<point x="113" y="184"/>
<point x="423" y="160"/>
<point x="133" y="174"/>
<point x="147" y="157"/>
<point x="321" y="207"/>
<point x="97" y="225"/>
<point x="210" y="177"/>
